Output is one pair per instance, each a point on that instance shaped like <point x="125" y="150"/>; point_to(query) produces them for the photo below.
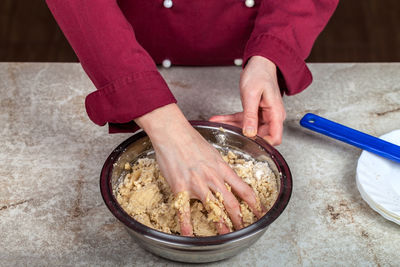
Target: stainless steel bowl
<point x="196" y="249"/>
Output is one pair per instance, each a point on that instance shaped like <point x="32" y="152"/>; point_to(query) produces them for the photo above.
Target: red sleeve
<point x="128" y="82"/>
<point x="284" y="32"/>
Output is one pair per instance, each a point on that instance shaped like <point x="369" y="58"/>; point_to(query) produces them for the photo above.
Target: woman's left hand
<point x="263" y="110"/>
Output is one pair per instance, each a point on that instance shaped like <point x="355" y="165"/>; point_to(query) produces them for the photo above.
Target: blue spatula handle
<point x="351" y="136"/>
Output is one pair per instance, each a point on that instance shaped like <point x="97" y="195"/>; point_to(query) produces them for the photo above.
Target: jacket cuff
<point x="293" y="74"/>
<point x="126" y="99"/>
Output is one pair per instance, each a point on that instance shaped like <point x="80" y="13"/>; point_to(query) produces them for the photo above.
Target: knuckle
<point x="232" y="205"/>
<point x="250" y="115"/>
<point x="224" y="167"/>
<point x="274" y="140"/>
<point x="277" y="141"/>
<point x="282" y="114"/>
<point x="242" y="83"/>
<point x="251" y="93"/>
<point x="249" y="196"/>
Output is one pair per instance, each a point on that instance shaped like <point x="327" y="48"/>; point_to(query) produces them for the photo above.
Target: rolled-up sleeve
<point x="127" y="80"/>
<point x="284" y="32"/>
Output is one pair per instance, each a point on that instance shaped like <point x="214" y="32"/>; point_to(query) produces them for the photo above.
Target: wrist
<point x="163" y="122"/>
<point x="263" y="62"/>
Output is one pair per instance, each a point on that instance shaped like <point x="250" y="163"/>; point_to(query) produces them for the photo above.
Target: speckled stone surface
<point x="52" y="213"/>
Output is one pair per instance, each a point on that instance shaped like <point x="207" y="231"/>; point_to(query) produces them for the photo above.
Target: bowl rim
<point x="261" y="224"/>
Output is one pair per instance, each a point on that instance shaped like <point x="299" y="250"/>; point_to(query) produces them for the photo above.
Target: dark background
<point x="359" y="31"/>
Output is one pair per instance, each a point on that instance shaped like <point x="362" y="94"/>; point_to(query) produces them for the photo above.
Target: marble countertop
<point x="52" y="213"/>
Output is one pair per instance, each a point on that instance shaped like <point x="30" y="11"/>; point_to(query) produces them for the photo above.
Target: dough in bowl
<point x="146" y="196"/>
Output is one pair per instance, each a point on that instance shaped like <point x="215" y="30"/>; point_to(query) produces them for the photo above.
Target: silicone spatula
<point x="351" y="136"/>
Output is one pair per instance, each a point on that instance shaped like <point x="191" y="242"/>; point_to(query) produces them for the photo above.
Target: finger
<point x="221" y="227"/>
<point x="182" y="205"/>
<point x="274" y="132"/>
<point x="230" y="203"/>
<point x="246" y="193"/>
<point x="185" y="223"/>
<point x="263" y="130"/>
<point x="227" y="118"/>
<point x="250" y="102"/>
<point x="216" y="213"/>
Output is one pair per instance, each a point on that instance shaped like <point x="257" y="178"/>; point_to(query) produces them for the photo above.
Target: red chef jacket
<point x="119" y="42"/>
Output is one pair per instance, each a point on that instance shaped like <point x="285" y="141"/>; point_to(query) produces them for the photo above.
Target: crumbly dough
<point x="146" y="196"/>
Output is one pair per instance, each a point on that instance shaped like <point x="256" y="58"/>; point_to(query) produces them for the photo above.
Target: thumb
<point x="250" y="102"/>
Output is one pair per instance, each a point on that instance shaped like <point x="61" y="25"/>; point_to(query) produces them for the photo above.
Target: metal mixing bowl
<point x="196" y="249"/>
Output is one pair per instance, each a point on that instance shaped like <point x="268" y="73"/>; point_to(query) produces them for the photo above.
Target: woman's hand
<point x="194" y="169"/>
<point x="263" y="110"/>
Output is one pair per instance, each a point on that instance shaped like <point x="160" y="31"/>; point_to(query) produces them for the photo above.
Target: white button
<point x="249" y="3"/>
<point x="166" y="63"/>
<point x="168" y="3"/>
<point x="238" y="62"/>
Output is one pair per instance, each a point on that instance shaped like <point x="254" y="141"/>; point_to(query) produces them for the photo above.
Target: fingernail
<point x="249" y="131"/>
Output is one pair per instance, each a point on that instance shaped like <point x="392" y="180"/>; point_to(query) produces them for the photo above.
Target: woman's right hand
<point x="194" y="169"/>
